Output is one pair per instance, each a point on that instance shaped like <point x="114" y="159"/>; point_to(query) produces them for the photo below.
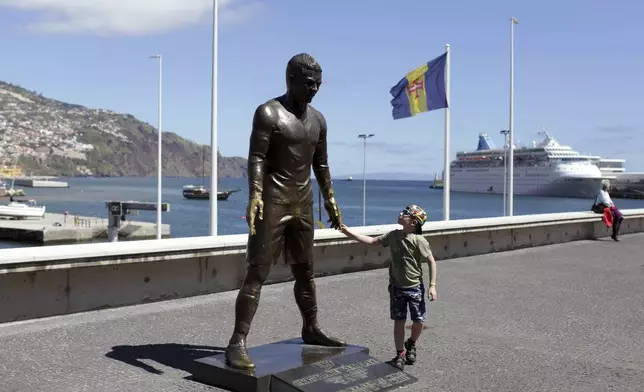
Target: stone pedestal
<point x="292" y="366"/>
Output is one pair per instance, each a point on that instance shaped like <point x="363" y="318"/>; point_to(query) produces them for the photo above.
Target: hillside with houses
<point x="44" y="136"/>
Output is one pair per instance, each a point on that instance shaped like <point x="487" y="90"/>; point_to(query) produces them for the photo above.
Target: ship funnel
<point x="485" y="143"/>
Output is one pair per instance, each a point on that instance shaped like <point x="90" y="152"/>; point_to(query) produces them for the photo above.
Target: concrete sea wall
<point x="56" y="280"/>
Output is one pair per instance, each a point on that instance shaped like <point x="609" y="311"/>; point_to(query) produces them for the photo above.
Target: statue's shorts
<point x="287" y="229"/>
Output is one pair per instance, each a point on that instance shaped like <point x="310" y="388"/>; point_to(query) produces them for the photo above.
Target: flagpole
<point x="505" y="170"/>
<point x="446" y="163"/>
<point x="510" y="198"/>
<point x="159" y="143"/>
<point x="159" y="156"/>
<point x="214" y="175"/>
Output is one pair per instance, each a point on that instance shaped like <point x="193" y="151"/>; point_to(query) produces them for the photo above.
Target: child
<point x="406" y="288"/>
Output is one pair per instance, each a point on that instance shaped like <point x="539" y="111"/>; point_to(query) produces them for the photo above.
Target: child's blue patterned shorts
<point x="402" y="298"/>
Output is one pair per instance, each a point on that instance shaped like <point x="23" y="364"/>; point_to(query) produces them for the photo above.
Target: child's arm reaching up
<point x="359" y="237"/>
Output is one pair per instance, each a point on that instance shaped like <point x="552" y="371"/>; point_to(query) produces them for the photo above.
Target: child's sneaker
<point x="410" y="354"/>
<point x="398" y="362"/>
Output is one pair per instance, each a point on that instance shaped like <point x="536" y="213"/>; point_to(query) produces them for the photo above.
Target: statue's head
<point x="303" y="77"/>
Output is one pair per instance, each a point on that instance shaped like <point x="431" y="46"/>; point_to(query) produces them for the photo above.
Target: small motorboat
<point x="22" y="210"/>
<point x="436" y="184"/>
<point x="200" y="192"/>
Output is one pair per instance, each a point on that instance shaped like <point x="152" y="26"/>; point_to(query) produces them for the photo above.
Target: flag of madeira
<point x="421" y="90"/>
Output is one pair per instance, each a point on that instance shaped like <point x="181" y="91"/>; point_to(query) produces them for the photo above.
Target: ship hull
<point x="529" y="181"/>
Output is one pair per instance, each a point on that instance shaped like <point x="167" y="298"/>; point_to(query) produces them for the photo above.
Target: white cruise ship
<point x="544" y="169"/>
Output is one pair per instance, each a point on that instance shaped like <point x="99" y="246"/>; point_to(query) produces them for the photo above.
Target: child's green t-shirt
<point x="408" y="252"/>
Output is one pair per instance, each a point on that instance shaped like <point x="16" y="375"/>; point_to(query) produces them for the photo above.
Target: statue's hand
<point x="335" y="217"/>
<point x="255" y="209"/>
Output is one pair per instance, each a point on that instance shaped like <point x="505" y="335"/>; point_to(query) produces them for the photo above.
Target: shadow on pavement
<point x="174" y="355"/>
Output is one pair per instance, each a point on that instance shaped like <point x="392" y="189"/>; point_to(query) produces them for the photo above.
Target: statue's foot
<point x="315" y="336"/>
<point x="237" y="357"/>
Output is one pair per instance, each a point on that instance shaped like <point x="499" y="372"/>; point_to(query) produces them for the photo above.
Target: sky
<point x="578" y="69"/>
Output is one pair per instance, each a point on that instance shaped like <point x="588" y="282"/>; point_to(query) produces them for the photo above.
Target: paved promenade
<point x="565" y="317"/>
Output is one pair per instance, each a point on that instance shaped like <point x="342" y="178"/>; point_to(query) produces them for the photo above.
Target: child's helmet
<point x="418" y="213"/>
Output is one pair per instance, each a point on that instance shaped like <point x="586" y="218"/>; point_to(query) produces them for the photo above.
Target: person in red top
<point x="603" y="200"/>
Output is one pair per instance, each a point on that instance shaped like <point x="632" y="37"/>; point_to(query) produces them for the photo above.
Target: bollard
<point x="119" y="210"/>
<point x="113" y="228"/>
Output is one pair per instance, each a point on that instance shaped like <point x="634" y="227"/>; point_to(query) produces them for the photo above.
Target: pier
<point x="626" y="193"/>
<point x="39" y="182"/>
<point x="564" y="317"/>
<point x="522" y="301"/>
<point x="58" y="228"/>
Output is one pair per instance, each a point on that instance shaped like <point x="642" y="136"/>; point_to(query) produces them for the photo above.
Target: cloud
<point x="127" y="17"/>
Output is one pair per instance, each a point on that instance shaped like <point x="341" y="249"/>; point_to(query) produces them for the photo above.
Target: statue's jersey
<point x="283" y="151"/>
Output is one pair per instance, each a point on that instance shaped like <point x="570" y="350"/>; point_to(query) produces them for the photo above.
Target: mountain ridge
<point x="46" y="136"/>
